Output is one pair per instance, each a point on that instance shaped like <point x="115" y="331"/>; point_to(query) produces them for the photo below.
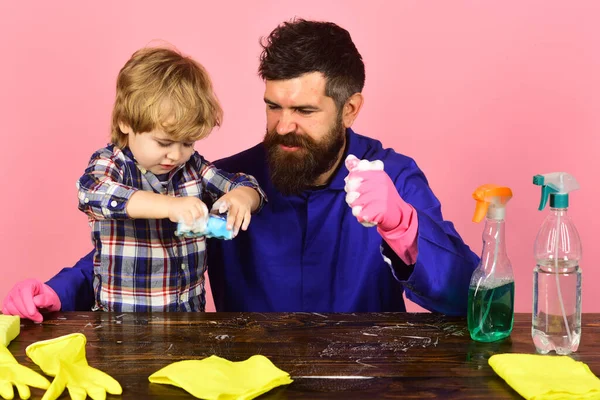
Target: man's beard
<point x="295" y="171"/>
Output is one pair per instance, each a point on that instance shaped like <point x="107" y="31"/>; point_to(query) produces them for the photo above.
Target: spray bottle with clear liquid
<point x="556" y="318"/>
<point x="490" y="311"/>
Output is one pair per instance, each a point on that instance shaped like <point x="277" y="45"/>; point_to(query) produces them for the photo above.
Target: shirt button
<point x="86" y="200"/>
<point x="113" y="203"/>
<point x="183" y="266"/>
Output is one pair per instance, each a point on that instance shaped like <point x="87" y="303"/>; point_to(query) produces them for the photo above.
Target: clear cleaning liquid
<point x="491" y="311"/>
<point x="548" y="330"/>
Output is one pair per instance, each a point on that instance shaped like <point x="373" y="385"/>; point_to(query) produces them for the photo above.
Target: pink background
<point x="476" y="92"/>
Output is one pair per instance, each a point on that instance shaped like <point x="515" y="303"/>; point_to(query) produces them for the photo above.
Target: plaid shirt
<point x="139" y="264"/>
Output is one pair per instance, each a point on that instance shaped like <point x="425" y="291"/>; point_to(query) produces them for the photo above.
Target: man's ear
<point x="351" y="109"/>
<point x="126" y="129"/>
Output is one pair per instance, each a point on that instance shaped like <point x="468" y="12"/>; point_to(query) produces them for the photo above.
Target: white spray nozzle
<point x="555" y="183"/>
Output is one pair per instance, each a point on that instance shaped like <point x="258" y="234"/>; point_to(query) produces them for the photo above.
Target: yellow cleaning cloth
<point x="217" y="378"/>
<point x="64" y="358"/>
<point x="9" y="328"/>
<point x="540" y="377"/>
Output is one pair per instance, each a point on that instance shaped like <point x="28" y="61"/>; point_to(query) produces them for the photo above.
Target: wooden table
<point x="374" y="355"/>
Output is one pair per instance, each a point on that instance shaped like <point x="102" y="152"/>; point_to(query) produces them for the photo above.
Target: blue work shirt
<point x="308" y="252"/>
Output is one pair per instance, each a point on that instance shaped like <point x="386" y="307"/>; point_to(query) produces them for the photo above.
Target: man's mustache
<point x="290" y="140"/>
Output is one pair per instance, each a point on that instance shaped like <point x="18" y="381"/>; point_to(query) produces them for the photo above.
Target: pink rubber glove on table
<point x="375" y="202"/>
<point x="28" y="297"/>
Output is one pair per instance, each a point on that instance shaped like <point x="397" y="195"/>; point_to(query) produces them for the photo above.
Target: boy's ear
<point x="126" y="129"/>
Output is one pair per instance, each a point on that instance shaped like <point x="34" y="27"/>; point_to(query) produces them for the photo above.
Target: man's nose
<point x="286" y="123"/>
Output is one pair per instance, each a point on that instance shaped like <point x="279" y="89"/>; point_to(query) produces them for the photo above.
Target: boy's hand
<point x="239" y="204"/>
<point x="187" y="209"/>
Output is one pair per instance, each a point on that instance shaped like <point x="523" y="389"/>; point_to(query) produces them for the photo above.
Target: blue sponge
<point x="216" y="227"/>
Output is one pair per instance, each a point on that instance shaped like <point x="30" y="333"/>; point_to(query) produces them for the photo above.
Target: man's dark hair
<point x="299" y="47"/>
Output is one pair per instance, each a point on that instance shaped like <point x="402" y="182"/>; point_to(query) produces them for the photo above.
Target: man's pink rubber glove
<point x="375" y="201"/>
<point x="26" y="299"/>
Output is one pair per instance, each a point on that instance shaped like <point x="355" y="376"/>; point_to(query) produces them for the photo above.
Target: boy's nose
<point x="175" y="153"/>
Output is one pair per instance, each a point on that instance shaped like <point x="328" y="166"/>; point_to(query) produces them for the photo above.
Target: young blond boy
<point x="149" y="178"/>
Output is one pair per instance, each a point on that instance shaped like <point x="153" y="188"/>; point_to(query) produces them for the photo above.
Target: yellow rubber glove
<point x="546" y="377"/>
<point x="217" y="378"/>
<point x="64" y="358"/>
<point x="13" y="373"/>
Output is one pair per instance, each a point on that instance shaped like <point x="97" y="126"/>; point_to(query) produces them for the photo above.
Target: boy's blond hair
<point x="160" y="88"/>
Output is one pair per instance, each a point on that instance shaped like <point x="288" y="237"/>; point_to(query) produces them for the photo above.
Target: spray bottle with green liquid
<point x="490" y="311"/>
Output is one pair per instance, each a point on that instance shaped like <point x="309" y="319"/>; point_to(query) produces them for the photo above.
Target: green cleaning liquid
<point x="491" y="311"/>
